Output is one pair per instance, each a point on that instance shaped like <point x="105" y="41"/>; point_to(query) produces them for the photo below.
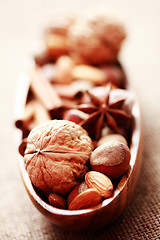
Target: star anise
<point x="102" y="113"/>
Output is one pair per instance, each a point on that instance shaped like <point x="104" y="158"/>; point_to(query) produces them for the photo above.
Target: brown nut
<point x="77" y="190"/>
<point x="89" y="73"/>
<point x="112" y="137"/>
<point x="84" y="42"/>
<point x="99" y="182"/>
<point x="114" y="75"/>
<point x="86" y="199"/>
<point x="121" y="94"/>
<point x="111" y="158"/>
<point x="57" y="201"/>
<point x="109" y="28"/>
<point x="56" y="45"/>
<point x="75" y="115"/>
<point x="22" y="147"/>
<point x="56" y="155"/>
<point x="64" y="66"/>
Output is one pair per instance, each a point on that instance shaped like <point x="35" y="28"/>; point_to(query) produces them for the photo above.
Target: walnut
<point x="109" y="29"/>
<point x="56" y="155"/>
<point x="97" y="40"/>
<point x="83" y="41"/>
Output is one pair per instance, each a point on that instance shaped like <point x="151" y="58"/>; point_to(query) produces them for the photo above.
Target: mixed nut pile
<point x="77" y="123"/>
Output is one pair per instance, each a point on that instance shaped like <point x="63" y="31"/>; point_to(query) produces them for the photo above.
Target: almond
<point x="57" y="201"/>
<point x="89" y="73"/>
<point x="86" y="199"/>
<point x="64" y="66"/>
<point x="76" y="191"/>
<point x="99" y="182"/>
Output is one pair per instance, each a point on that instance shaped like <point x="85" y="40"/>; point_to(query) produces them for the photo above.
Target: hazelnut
<point x="121" y="94"/>
<point x="112" y="137"/>
<point x="56" y="155"/>
<point x="75" y="115"/>
<point x="114" y="75"/>
<point x="111" y="158"/>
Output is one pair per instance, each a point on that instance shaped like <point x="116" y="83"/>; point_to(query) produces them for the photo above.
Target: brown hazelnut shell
<point x="111" y="158"/>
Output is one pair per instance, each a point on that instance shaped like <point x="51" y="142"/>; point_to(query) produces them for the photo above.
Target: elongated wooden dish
<point x="109" y="209"/>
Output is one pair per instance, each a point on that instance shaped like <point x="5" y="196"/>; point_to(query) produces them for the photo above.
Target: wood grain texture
<point x="109" y="209"/>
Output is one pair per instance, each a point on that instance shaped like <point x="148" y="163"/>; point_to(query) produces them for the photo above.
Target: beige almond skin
<point x="86" y="199"/>
<point x="57" y="201"/>
<point x="99" y="182"/>
<point x="111" y="158"/>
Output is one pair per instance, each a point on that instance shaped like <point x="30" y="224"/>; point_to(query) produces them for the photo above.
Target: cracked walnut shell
<point x="56" y="155"/>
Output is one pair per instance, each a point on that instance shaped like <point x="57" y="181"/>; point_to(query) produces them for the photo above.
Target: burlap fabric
<point x="19" y="220"/>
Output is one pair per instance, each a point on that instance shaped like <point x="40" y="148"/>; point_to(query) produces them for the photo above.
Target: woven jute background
<point x="21" y="22"/>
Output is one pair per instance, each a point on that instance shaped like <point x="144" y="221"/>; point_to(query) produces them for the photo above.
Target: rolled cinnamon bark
<point x="67" y="91"/>
<point x="35" y="113"/>
<point x="44" y="91"/>
<point x="27" y="117"/>
<point x="41" y="114"/>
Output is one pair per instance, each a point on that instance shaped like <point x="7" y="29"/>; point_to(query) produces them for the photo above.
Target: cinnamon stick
<point x="67" y="91"/>
<point x="44" y="91"/>
<point x="73" y="90"/>
<point x="41" y="114"/>
<point x="35" y="113"/>
<point x="28" y="115"/>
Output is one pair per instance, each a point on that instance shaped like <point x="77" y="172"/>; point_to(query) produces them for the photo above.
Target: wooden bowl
<point x="109" y="209"/>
